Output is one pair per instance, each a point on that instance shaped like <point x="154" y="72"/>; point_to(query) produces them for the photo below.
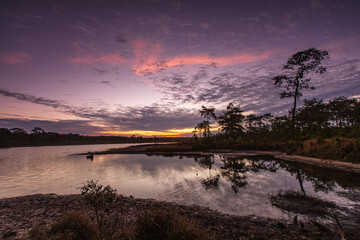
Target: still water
<point x="230" y="185"/>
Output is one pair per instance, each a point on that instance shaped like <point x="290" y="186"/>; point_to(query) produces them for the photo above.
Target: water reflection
<point x="227" y="184"/>
<point x="242" y="173"/>
<point x="234" y="169"/>
<point x="212" y="181"/>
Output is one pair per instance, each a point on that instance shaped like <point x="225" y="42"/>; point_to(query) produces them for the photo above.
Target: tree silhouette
<point x="302" y="62"/>
<point x="343" y="111"/>
<point x="203" y="127"/>
<point x="250" y="120"/>
<point x="19" y="131"/>
<point x="231" y="120"/>
<point x="37" y="130"/>
<point x="194" y="134"/>
<point x="5" y="131"/>
<point x="313" y="115"/>
<point x="208" y="114"/>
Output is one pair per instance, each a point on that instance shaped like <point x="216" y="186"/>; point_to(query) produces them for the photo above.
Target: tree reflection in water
<point x="317" y="176"/>
<point x="206" y="162"/>
<point x="235" y="169"/>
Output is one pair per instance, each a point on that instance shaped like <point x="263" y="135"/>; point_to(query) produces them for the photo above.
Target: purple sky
<point x="146" y="67"/>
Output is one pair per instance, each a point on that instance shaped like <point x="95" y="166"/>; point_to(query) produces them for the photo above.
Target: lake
<point x="230" y="185"/>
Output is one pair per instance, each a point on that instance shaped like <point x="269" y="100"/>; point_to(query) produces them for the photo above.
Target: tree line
<point x="16" y="137"/>
<point x="315" y="118"/>
<point x="338" y="117"/>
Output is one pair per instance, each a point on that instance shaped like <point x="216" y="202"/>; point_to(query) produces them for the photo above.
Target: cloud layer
<point x="150" y="65"/>
<point x="15" y="58"/>
<point x="146" y="118"/>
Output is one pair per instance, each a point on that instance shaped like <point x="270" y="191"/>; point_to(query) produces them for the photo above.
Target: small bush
<point x="101" y="200"/>
<point x="163" y="225"/>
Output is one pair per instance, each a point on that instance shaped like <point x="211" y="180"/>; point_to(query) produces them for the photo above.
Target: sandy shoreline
<point x="18" y="215"/>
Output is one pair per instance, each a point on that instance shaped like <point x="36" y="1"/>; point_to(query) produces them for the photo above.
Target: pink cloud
<point x="144" y="49"/>
<point x="146" y="54"/>
<point x="15" y="58"/>
<point x="147" y="58"/>
<point x="152" y="65"/>
<point x="111" y="59"/>
<point x="228" y="60"/>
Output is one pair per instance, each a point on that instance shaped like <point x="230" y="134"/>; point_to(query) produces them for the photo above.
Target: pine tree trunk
<point x="294" y="111"/>
<point x="301" y="182"/>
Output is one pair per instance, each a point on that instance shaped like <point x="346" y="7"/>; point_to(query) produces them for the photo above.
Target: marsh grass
<point x="151" y="225"/>
<point x="299" y="203"/>
<point x="335" y="148"/>
<point x="38" y="233"/>
<point x="164" y="225"/>
<point x="339" y="148"/>
<point x="72" y="226"/>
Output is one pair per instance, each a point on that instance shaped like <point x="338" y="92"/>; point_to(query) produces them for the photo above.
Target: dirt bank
<point x="18" y="215"/>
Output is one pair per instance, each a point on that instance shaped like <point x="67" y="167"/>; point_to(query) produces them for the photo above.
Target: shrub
<point x="101" y="199"/>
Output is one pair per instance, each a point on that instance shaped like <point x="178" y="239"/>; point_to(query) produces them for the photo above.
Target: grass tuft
<point x="73" y="226"/>
<point x="38" y="233"/>
<point x="164" y="225"/>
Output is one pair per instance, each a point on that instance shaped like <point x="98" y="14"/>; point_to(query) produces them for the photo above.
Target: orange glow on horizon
<point x="166" y="133"/>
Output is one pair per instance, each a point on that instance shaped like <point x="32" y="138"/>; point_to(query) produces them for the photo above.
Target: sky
<point x="103" y="67"/>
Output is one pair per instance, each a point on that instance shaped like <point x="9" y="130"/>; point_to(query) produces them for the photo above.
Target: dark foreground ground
<point x="18" y="215"/>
